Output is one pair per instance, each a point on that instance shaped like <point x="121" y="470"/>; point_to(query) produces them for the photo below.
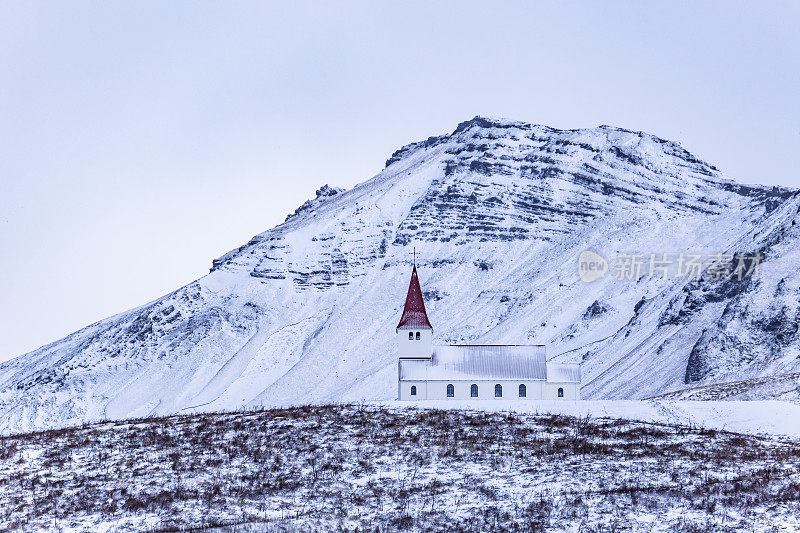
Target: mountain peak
<point x="484" y="133"/>
<point x="488" y="122"/>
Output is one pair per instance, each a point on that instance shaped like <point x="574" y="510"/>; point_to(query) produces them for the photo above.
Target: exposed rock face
<point x="323" y="193"/>
<point x="500" y="211"/>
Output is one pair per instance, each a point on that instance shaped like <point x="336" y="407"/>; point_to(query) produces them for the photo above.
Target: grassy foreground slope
<point x="367" y="468"/>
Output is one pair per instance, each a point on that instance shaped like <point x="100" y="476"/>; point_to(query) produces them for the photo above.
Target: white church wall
<point x="413" y="347"/>
<point x="437" y="390"/>
<point x="404" y="392"/>
<point x="535" y="390"/>
<point x="571" y="391"/>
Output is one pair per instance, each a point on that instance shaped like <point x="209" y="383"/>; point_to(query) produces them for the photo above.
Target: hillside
<point x="780" y="387"/>
<point x="499" y="211"/>
<point x="348" y="467"/>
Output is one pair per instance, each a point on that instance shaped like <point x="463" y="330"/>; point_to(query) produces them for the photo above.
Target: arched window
<point x="413" y="390"/>
<point x="473" y="391"/>
<point x="560" y="392"/>
<point x="498" y="391"/>
<point x="451" y="391"/>
<point x="418" y="335"/>
<point x="411" y="335"/>
<point x="523" y="392"/>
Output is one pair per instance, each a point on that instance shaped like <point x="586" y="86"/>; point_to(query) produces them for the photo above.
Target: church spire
<point x="414" y="315"/>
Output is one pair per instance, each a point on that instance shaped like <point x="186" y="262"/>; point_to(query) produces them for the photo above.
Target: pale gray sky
<point x="140" y="140"/>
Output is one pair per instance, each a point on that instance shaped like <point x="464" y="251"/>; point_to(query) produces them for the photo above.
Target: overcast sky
<point x="140" y="140"/>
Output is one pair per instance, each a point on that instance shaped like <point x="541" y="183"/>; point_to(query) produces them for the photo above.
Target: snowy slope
<point x="757" y="417"/>
<point x="500" y="211"/>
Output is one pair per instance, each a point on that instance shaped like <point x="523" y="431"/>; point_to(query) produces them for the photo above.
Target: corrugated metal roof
<point x="563" y="373"/>
<point x="414" y="315"/>
<point x="478" y="362"/>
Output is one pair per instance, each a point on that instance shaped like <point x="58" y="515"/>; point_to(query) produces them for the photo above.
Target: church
<point x="473" y="371"/>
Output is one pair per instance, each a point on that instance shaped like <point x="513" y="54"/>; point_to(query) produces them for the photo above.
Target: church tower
<point x="414" y="331"/>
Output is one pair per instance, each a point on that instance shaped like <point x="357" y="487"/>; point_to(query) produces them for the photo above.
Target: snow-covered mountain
<point x="499" y="211"/>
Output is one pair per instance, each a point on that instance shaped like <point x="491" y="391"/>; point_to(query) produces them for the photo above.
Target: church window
<point x="523" y="392"/>
<point x="413" y="390"/>
<point x="473" y="391"/>
<point x="451" y="391"/>
<point x="560" y="392"/>
<point x="418" y="335"/>
<point x="498" y="391"/>
<point x="411" y="335"/>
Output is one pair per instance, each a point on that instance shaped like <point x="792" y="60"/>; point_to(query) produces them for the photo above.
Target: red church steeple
<point x="414" y="315"/>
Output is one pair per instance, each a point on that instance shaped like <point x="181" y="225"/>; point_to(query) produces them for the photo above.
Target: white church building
<point x="473" y="371"/>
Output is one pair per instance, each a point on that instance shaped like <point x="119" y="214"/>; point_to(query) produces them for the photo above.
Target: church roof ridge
<point x="495" y="345"/>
